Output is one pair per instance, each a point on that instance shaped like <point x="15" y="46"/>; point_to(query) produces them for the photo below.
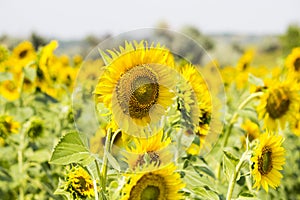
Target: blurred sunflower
<point x="278" y="103"/>
<point x="268" y="160"/>
<point x="244" y="62"/>
<point x="47" y="70"/>
<point x="292" y="62"/>
<point x="4" y="54"/>
<point x="79" y="183"/>
<point x="10" y="89"/>
<point x="136" y="84"/>
<point x="77" y="60"/>
<point x="8" y="126"/>
<point x="162" y="184"/>
<point x="251" y="131"/>
<point x="23" y="53"/>
<point x="295" y="124"/>
<point x="144" y="153"/>
<point x="67" y="77"/>
<point x="197" y="102"/>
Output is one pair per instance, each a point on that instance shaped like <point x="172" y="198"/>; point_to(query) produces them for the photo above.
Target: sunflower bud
<point x="34" y="127"/>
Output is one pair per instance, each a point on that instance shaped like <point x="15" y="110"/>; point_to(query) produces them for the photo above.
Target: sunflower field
<point x="139" y="119"/>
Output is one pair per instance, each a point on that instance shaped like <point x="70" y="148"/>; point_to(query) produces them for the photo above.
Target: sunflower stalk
<point x="20" y="164"/>
<point x="21" y="145"/>
<point x="103" y="171"/>
<point x="238" y="167"/>
<point x="236" y="114"/>
<point x="234" y="119"/>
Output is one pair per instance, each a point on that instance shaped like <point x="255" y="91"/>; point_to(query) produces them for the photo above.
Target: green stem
<point x="20" y="164"/>
<point x="233" y="120"/>
<point x="234" y="176"/>
<point x="103" y="172"/>
<point x="21" y="89"/>
<point x="99" y="175"/>
<point x="236" y="114"/>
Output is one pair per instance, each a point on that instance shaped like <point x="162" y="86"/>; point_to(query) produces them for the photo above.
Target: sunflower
<point x="8" y="126"/>
<point x="162" y="184"/>
<point x="278" y="103"/>
<point x="34" y="128"/>
<point x="245" y="60"/>
<point x="292" y="62"/>
<point x="251" y="131"/>
<point x="77" y="60"/>
<point x="267" y="160"/>
<point x="47" y="70"/>
<point x="295" y="124"/>
<point x="201" y="95"/>
<point x="79" y="183"/>
<point x="10" y="89"/>
<point x="147" y="152"/>
<point x="136" y="85"/>
<point x="23" y="53"/>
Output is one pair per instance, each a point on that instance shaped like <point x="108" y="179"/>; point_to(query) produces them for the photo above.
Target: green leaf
<point x="205" y="194"/>
<point x="71" y="149"/>
<point x="4" y="175"/>
<point x="230" y="156"/>
<point x="5" y="76"/>
<point x="114" y="163"/>
<point x="23" y="113"/>
<point x="40" y="156"/>
<point x="205" y="170"/>
<point x="228" y="167"/>
<point x="60" y="190"/>
<point x="30" y="73"/>
<point x="246" y="194"/>
<point x="194" y="180"/>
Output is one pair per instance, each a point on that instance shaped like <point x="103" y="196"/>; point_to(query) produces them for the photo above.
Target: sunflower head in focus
<point x="279" y="103"/>
<point x="268" y="160"/>
<point x="145" y="153"/>
<point x="79" y="183"/>
<point x="136" y="85"/>
<point x="161" y="184"/>
<point x="292" y="62"/>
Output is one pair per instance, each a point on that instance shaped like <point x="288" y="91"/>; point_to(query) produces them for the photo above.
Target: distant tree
<point x="37" y="40"/>
<point x="3" y="38"/>
<point x="92" y="40"/>
<point x="291" y="38"/>
<point x="195" y="33"/>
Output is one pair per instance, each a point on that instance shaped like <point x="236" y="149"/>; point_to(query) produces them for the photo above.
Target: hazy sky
<point x="76" y="18"/>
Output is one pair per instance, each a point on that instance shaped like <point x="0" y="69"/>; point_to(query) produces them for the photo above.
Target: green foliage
<point x="291" y="38"/>
<point x="71" y="149"/>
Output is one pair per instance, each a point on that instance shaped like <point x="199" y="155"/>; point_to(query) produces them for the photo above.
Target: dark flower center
<point x="23" y="54"/>
<point x="150" y="193"/>
<point x="265" y="161"/>
<point x="297" y="64"/>
<point x="277" y="103"/>
<point x="149" y="187"/>
<point x="137" y="91"/>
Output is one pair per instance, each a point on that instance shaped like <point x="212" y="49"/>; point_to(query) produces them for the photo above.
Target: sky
<point x="71" y="19"/>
